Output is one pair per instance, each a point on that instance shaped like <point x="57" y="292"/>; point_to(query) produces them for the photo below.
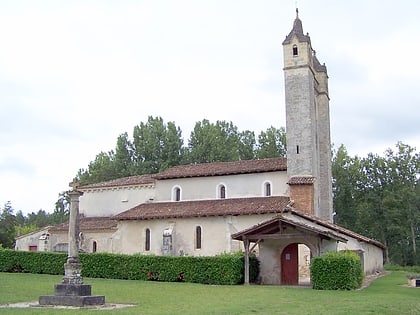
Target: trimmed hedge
<point x="222" y="269"/>
<point x="336" y="271"/>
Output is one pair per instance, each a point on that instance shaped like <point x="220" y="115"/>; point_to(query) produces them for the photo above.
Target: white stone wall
<point x="216" y="234"/>
<point x="102" y="202"/>
<point x="199" y="188"/>
<point x="33" y="239"/>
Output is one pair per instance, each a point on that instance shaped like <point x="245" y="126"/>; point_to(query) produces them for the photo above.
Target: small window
<point x="147" y="240"/>
<point x="176" y="194"/>
<point x="94" y="247"/>
<point x="295" y="50"/>
<point x="222" y="192"/>
<point x="198" y="237"/>
<point x="267" y="189"/>
<point x="297" y="149"/>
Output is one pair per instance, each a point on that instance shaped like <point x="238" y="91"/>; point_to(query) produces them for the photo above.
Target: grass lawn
<point x="387" y="295"/>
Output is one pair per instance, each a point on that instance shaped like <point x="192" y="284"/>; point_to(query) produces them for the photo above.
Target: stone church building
<point x="279" y="209"/>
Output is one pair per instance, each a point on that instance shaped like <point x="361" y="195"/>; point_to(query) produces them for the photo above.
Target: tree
<point x="101" y="169"/>
<point x="272" y="143"/>
<point x="214" y="142"/>
<point x="156" y="146"/>
<point x="123" y="158"/>
<point x="62" y="208"/>
<point x="247" y="145"/>
<point x="345" y="171"/>
<point x="7" y="226"/>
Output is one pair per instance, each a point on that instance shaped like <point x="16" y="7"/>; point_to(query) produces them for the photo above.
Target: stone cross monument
<point x="72" y="291"/>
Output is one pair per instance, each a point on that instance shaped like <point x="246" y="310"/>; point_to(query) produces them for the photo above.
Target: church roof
<point x="224" y="168"/>
<point x="197" y="170"/>
<point x="88" y="224"/>
<point x="204" y="208"/>
<point x="297" y="31"/>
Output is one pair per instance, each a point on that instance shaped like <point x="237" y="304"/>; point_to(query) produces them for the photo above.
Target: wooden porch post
<point x="246" y="244"/>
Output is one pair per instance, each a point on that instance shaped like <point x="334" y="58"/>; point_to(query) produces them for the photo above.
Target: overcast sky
<point x="74" y="75"/>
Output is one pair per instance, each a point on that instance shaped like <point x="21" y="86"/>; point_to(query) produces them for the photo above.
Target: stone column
<point x="73" y="267"/>
<point x="72" y="291"/>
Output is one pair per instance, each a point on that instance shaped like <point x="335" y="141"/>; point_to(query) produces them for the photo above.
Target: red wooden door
<point x="289" y="265"/>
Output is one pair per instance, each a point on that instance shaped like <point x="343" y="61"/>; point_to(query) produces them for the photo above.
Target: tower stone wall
<point x="307" y="123"/>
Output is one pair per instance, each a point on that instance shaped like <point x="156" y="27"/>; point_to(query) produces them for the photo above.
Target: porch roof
<point x="283" y="228"/>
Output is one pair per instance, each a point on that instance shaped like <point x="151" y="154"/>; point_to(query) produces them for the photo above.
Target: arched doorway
<point x="295" y="259"/>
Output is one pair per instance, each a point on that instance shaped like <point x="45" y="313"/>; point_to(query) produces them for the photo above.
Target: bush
<point x="336" y="271"/>
<point x="223" y="269"/>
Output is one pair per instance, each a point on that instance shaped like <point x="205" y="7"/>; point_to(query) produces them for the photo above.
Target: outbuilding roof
<point x="88" y="224"/>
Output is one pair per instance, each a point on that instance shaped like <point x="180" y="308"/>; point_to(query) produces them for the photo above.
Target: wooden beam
<point x="277" y="236"/>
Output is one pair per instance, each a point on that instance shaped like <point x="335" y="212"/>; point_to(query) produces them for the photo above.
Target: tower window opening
<point x="297" y="149"/>
<point x="295" y="50"/>
<point x="94" y="246"/>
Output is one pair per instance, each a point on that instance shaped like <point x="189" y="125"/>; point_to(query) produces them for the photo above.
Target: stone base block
<point x="73" y="289"/>
<point x="70" y="300"/>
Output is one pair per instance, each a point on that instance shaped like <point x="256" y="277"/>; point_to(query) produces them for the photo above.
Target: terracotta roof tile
<point x="224" y="168"/>
<point x="272" y="226"/>
<point x="89" y="224"/>
<point x="333" y="226"/>
<point x="125" y="181"/>
<point x="301" y="180"/>
<point x="204" y="208"/>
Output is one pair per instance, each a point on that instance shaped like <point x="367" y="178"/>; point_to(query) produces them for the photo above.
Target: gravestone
<point x="72" y="291"/>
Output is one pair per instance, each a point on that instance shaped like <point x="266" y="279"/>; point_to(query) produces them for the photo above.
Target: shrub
<point x="336" y="271"/>
<point x="223" y="269"/>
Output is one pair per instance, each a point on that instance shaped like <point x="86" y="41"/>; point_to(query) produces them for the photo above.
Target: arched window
<point x="147" y="240"/>
<point x="221" y="191"/>
<point x="176" y="194"/>
<point x="295" y="50"/>
<point x="198" y="237"/>
<point x="94" y="247"/>
<point x="267" y="189"/>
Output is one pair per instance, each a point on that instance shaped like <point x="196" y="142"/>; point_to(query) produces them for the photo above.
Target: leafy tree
<point x="345" y="171"/>
<point x="214" y="142"/>
<point x="123" y="158"/>
<point x="39" y="219"/>
<point x="247" y="145"/>
<point x="156" y="146"/>
<point x="101" y="169"/>
<point x="7" y="226"/>
<point x="62" y="209"/>
<point x="272" y="143"/>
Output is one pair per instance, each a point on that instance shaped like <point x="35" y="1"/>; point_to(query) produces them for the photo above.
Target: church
<point x="280" y="209"/>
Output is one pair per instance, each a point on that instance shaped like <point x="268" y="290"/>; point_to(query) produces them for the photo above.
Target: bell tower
<point x="307" y="125"/>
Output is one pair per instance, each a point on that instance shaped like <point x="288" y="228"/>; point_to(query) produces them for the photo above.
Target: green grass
<point x="387" y="295"/>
